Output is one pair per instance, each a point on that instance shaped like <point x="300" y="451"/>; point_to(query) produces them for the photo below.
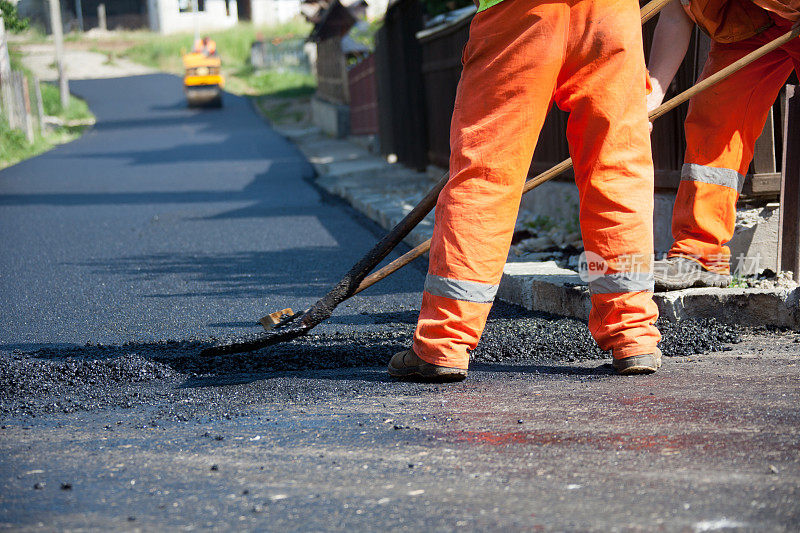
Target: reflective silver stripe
<point x="622" y="282"/>
<point x="466" y="291"/>
<point x="715" y="176"/>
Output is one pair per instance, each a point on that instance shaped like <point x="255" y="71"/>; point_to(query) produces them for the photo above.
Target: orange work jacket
<point x="208" y="48"/>
<point x="729" y="21"/>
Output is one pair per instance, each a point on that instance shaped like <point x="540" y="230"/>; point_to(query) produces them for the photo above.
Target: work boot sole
<point x="420" y="370"/>
<point x="433" y="373"/>
<point x="695" y="279"/>
<point x="638" y="364"/>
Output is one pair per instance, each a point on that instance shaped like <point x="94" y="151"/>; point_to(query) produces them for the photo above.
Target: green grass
<point x="14" y="145"/>
<point x="51" y="101"/>
<point x="738" y="283"/>
<point x="287" y="83"/>
<point x="284" y="111"/>
<point x="540" y="223"/>
<point x="163" y="54"/>
<point x="233" y="45"/>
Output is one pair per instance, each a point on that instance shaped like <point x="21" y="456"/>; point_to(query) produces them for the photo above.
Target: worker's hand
<point x="654" y="99"/>
<point x="670" y="42"/>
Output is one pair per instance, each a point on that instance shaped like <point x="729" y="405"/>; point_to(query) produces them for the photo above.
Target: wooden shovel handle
<point x="724" y="73"/>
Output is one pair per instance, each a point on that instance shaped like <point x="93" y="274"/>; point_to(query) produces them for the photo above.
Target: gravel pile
<point x="37" y="372"/>
<point x="513" y="335"/>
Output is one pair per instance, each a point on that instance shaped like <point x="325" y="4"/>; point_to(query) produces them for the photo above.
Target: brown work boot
<point x="675" y="273"/>
<point x="638" y="364"/>
<point x="408" y="365"/>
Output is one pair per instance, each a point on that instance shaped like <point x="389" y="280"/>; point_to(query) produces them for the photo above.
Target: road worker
<point x="722" y="124"/>
<point x="205" y="46"/>
<point x="586" y="56"/>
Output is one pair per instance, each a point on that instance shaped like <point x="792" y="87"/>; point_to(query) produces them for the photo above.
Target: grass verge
<point x="14" y="145"/>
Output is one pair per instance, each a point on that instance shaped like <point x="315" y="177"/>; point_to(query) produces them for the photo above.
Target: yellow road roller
<point x="203" y="81"/>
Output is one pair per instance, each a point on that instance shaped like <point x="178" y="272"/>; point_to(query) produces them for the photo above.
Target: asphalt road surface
<point x="165" y="222"/>
<point x="126" y="252"/>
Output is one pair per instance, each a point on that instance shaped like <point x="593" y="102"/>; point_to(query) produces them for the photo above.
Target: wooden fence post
<point x="37" y="89"/>
<point x="101" y="17"/>
<point x="789" y="232"/>
<point x="19" y="100"/>
<point x="6" y="88"/>
<point x="28" y="117"/>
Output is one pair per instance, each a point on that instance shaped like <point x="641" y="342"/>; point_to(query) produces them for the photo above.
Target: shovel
<point x="289" y="326"/>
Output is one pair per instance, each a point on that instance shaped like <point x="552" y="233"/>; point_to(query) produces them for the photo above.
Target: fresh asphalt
<point x="128" y="250"/>
<point x="168" y="222"/>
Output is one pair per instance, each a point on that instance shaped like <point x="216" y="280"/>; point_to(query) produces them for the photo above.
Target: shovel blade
<point x="269" y="338"/>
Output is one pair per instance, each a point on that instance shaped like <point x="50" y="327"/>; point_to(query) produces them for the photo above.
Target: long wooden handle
<point x="724" y="73"/>
<point x="651" y="9"/>
<point x="351" y="281"/>
<point x="565" y="165"/>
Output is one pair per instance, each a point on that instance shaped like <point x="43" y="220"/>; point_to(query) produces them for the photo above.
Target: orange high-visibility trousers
<point x="587" y="57"/>
<point x="722" y="126"/>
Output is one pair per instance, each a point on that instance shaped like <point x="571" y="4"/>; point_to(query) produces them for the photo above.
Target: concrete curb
<point x="544" y="286"/>
<point x="386" y="192"/>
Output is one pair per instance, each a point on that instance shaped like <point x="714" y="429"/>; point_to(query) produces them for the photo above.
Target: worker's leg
<point x="510" y="66"/>
<point x="603" y="87"/>
<point x="722" y="126"/>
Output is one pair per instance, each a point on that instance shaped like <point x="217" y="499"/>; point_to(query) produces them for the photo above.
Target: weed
<point x="738" y="283"/>
<point x="541" y="223"/>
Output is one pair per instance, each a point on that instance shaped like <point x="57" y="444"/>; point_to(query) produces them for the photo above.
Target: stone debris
<point x="536" y="238"/>
<point x="748" y="218"/>
<point x="767" y="280"/>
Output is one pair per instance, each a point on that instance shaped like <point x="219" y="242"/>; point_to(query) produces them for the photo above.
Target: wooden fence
<point x="16" y="92"/>
<point x="22" y="103"/>
<point x="332" y="72"/>
<point x="789" y="232"/>
<point x="441" y="68"/>
<point x="402" y="121"/>
<point x="363" y="97"/>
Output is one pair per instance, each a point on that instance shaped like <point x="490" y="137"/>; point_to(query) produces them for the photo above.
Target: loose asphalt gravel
<point x="164" y="229"/>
